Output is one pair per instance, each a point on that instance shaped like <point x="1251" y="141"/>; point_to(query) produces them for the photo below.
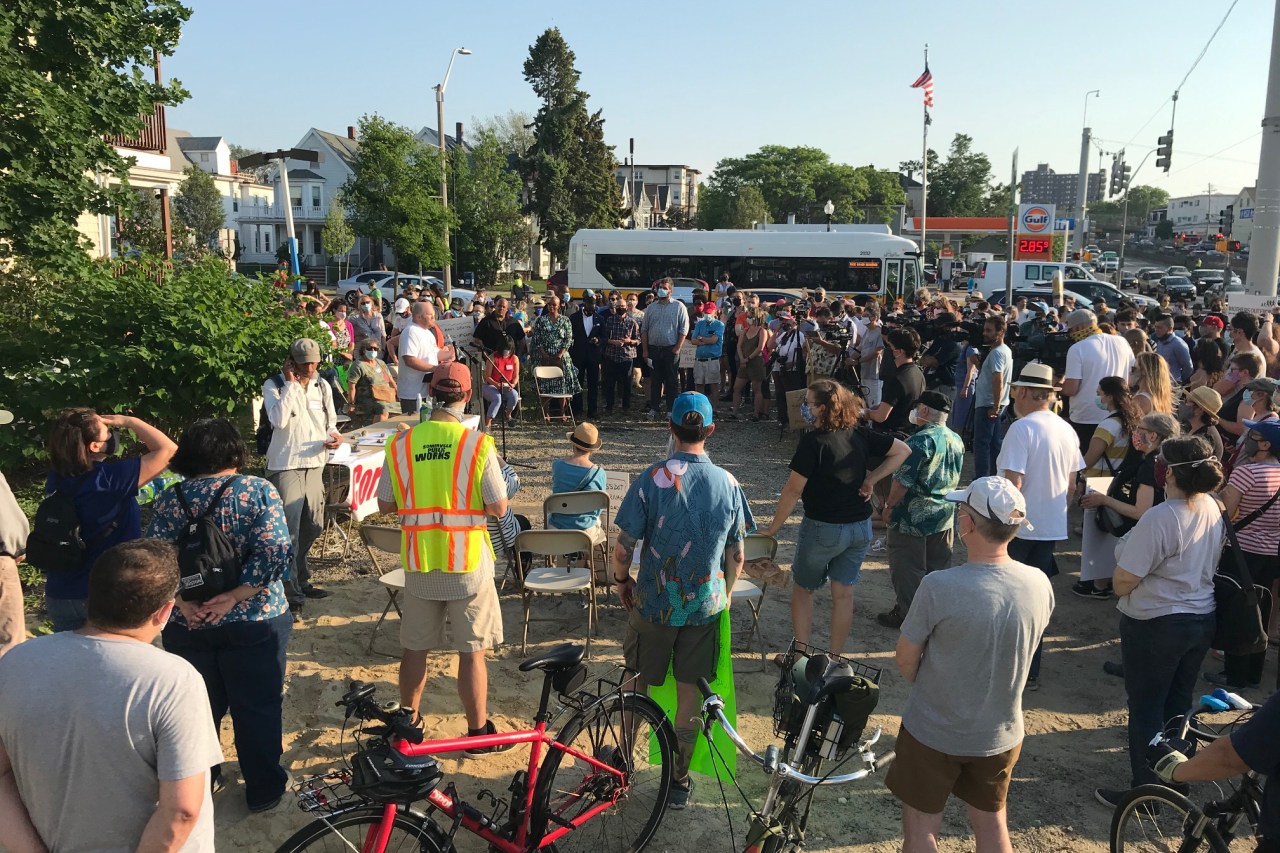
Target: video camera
<point x="1044" y="346"/>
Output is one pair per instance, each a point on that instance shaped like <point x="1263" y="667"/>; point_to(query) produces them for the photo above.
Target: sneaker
<point x="1086" y="589"/>
<point x="315" y="592"/>
<point x="482" y="751"/>
<point x="1108" y="797"/>
<point x="1033" y="684"/>
<point x="1219" y="679"/>
<point x="892" y="619"/>
<point x="679" y="796"/>
<point x="216" y="781"/>
<point x="878" y="547"/>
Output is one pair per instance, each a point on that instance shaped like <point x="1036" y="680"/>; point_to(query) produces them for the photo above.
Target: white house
<point x="1197" y="214"/>
<point x="1242" y="209"/>
<point x="654" y="191"/>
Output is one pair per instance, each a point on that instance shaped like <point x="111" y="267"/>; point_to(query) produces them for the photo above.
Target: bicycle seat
<point x="562" y="657"/>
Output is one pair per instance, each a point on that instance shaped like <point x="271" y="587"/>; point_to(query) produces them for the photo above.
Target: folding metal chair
<point x="576" y="503"/>
<point x="337" y="512"/>
<point x="751" y="593"/>
<point x="553" y="580"/>
<point x="381" y="538"/>
<point x="550" y="373"/>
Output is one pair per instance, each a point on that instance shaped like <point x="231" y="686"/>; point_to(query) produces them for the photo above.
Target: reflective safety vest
<point x="436" y="469"/>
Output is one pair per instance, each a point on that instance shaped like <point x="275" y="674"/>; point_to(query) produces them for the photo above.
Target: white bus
<point x="842" y="262"/>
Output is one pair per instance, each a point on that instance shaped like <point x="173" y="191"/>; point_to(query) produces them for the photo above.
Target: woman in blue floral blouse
<point x="236" y="640"/>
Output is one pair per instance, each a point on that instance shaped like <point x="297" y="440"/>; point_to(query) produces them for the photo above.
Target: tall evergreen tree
<point x="570" y="168"/>
<point x="198" y="207"/>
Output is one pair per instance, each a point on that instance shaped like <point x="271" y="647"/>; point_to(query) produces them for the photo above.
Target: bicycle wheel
<point x="410" y="833"/>
<point x="1156" y="819"/>
<point x="629" y="732"/>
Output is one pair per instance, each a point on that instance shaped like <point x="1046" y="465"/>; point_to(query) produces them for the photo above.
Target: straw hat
<point x="585" y="437"/>
<point x="1036" y="375"/>
<point x="1207" y="399"/>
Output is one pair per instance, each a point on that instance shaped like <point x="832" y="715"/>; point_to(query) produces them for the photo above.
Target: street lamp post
<point x="829" y="209"/>
<point x="1082" y="202"/>
<point x="444" y="161"/>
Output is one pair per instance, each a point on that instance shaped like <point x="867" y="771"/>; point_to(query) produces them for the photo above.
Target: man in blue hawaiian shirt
<point x="689" y="519"/>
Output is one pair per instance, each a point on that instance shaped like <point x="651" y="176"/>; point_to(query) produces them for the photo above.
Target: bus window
<point x="812" y="273"/>
<point x="893" y="277"/>
<point x="910" y="275"/>
<point x="767" y="272"/>
<point x="862" y="276"/>
<point x="624" y="270"/>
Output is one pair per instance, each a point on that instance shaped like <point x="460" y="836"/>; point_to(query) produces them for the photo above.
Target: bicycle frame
<point x="470" y="818"/>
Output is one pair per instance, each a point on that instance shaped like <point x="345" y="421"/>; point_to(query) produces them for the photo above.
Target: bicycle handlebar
<point x="358" y="701"/>
<point x="713" y="712"/>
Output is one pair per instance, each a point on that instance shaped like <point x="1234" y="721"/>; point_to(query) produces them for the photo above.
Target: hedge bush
<point x="166" y="344"/>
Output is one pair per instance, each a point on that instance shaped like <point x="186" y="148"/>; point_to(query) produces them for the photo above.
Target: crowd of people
<point x="1175" y="422"/>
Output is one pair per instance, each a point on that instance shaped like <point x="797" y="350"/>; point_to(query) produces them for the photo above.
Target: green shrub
<point x="167" y="345"/>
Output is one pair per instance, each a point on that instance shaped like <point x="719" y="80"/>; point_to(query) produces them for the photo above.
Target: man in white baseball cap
<point x="966" y="647"/>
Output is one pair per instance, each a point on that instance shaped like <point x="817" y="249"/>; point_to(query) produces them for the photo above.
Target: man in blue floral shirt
<point x="689" y="519"/>
<point x="920" y="518"/>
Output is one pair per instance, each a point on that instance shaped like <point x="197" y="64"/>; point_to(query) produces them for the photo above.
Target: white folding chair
<point x="750" y="592"/>
<point x="384" y="539"/>
<point x="576" y="503"/>
<point x="551" y="373"/>
<point x="553" y="580"/>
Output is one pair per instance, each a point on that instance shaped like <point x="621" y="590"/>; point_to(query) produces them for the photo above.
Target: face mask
<point x="807" y="413"/>
<point x="1098" y="402"/>
<point x="1248" y="398"/>
<point x="737" y="302"/>
<point x="371" y="354"/>
<point x="1181" y="333"/>
<point x="366" y="307"/>
<point x="913" y="418"/>
<point x="341" y="318"/>
<point x="663" y="293"/>
<point x="112" y="446"/>
<point x="620" y="310"/>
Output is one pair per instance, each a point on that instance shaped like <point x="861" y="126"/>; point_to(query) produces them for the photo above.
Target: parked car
<point x="349" y="289"/>
<point x="1178" y="287"/>
<point x="1096" y="290"/>
<point x="1177" y="270"/>
<point x="1149" y="281"/>
<point x="1042" y="294"/>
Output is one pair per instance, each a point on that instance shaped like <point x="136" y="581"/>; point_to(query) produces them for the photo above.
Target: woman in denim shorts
<point x="829" y="472"/>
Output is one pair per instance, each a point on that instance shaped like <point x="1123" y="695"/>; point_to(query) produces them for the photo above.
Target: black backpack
<point x="208" y="564"/>
<point x="263" y="436"/>
<point x="54" y="544"/>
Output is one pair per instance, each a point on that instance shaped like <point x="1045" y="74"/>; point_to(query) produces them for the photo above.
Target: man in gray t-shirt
<point x="966" y="646"/>
<point x="105" y="740"/>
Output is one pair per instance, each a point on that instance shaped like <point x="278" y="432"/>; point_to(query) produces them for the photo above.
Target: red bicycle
<point x="600" y="784"/>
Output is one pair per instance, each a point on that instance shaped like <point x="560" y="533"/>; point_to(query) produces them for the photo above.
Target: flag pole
<point x="924" y="176"/>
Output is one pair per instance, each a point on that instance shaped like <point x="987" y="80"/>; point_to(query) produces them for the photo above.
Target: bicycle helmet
<point x="385" y="775"/>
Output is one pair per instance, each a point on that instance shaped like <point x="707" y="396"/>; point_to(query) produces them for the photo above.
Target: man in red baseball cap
<point x="443" y="479"/>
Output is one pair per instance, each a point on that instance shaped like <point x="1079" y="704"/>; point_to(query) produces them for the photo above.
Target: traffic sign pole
<point x="1264" y="245"/>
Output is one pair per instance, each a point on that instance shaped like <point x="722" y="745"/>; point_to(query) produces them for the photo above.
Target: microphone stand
<point x="502" y="425"/>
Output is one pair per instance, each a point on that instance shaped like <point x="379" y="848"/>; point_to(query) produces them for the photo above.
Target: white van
<point x="989" y="276"/>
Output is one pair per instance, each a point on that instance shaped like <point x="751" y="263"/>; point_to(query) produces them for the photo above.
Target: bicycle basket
<point x="840" y="719"/>
<point x="385" y="775"/>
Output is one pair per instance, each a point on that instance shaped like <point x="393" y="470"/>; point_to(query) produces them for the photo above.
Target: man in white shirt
<point x="419" y="355"/>
<point x="1040" y="456"/>
<point x="305" y="429"/>
<point x="870" y="349"/>
<point x="1093" y="357"/>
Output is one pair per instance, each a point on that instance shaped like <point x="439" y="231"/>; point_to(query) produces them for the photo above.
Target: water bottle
<point x="424" y="411"/>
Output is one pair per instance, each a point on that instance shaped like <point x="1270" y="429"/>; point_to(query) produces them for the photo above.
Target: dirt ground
<point x="1075" y="723"/>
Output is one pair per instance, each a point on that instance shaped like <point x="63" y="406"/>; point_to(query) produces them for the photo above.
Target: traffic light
<point x="1164" y="151"/>
<point x="1230" y="215"/>
<point x="1234" y="245"/>
<point x="1115" y="177"/>
<point x="1222" y="221"/>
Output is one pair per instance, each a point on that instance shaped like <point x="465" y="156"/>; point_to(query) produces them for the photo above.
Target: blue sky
<point x="704" y="79"/>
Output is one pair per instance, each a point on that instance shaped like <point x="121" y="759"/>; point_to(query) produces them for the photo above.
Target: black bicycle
<point x="1154" y="818"/>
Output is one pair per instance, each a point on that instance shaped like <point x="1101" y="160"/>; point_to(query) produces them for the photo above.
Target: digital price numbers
<point x="1034" y="248"/>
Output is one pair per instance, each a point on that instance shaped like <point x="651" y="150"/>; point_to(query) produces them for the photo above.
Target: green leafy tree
<point x="393" y="194"/>
<point x="960" y="185"/>
<point x="1142" y="200"/>
<point x="198" y="207"/>
<point x="261" y="174"/>
<point x="569" y="168"/>
<point x="1164" y="230"/>
<point x="336" y="235"/>
<point x="72" y="74"/>
<point x="513" y="131"/>
<point x="485" y="195"/>
<point x="201" y="345"/>
<point x="140" y="229"/>
<point x="748" y="207"/>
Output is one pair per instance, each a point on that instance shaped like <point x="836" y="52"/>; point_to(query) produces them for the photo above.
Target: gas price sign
<point x="1033" y="248"/>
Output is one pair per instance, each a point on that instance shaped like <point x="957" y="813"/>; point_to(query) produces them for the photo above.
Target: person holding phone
<point x="305" y="429"/>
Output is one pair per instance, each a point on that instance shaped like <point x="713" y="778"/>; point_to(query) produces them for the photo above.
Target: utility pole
<point x="1082" y="188"/>
<point x="1013" y="219"/>
<point x="444" y="163"/>
<point x="1264" y="246"/>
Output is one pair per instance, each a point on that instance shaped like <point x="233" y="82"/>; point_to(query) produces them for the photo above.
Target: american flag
<point x="925" y="81"/>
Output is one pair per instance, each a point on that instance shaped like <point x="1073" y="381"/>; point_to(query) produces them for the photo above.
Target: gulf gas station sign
<point x="1034" y="238"/>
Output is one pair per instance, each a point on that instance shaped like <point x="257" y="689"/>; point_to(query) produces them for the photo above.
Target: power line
<point x="1174" y="97"/>
<point x="1214" y="156"/>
